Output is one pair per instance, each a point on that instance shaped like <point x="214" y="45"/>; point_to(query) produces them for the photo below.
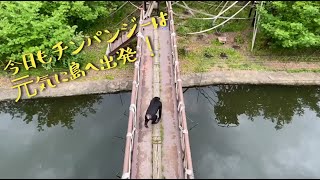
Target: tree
<point x="278" y="104"/>
<point x="291" y="24"/>
<point x="49" y="112"/>
<point x="27" y="27"/>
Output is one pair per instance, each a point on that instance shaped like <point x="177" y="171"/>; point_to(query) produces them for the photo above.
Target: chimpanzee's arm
<point x="146" y="122"/>
<point x="160" y="110"/>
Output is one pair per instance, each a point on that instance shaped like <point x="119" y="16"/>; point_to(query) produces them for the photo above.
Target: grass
<point x="247" y="66"/>
<point x="193" y="55"/>
<point x="205" y="56"/>
<point x="303" y="70"/>
<point x="239" y="39"/>
<point x="284" y="54"/>
<point x="189" y="25"/>
<point x="39" y="71"/>
<point x="110" y="77"/>
<point x="197" y="59"/>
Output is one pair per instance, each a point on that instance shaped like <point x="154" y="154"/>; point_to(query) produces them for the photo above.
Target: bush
<point x="27" y="27"/>
<point x="291" y="24"/>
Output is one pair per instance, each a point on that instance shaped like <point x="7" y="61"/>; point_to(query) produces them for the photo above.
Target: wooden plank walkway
<point x="157" y="149"/>
<point x="171" y="156"/>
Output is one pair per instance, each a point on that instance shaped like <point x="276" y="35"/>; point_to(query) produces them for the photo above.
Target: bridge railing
<point x="187" y="160"/>
<point x="122" y="34"/>
<point x="132" y="122"/>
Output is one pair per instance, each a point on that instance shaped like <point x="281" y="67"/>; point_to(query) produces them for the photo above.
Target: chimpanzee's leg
<point x="154" y="120"/>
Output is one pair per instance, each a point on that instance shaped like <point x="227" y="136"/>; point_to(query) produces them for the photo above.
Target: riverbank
<point x="98" y="86"/>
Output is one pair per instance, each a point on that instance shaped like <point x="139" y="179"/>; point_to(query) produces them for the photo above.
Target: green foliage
<point x="110" y="77"/>
<point x="27" y="27"/>
<point x="239" y="39"/>
<point x="291" y="24"/>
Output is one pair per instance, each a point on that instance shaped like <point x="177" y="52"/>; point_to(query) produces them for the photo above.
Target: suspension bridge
<point x="163" y="149"/>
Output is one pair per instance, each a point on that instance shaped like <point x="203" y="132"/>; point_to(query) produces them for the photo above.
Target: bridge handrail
<point x="121" y="33"/>
<point x="132" y="122"/>
<point x="187" y="160"/>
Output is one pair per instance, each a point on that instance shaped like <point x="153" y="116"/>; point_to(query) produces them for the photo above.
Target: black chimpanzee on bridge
<point x="151" y="114"/>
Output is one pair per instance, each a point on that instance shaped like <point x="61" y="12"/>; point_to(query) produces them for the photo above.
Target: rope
<point x="219" y="5"/>
<point x="224" y="6"/>
<point x="188" y="8"/>
<point x="200" y="12"/>
<point x="118" y="8"/>
<point x="133" y="4"/>
<point x="214" y="4"/>
<point x="125" y="176"/>
<point x="195" y="10"/>
<point x="220" y="17"/>
<point x="222" y="22"/>
<point x="175" y="2"/>
<point x="183" y="130"/>
<point x="133" y="108"/>
<point x="127" y="16"/>
<point x="215" y="19"/>
<point x="139" y="34"/>
<point x="227" y="9"/>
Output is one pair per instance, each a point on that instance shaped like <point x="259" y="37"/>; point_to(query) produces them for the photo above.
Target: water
<point x="50" y="138"/>
<point x="235" y="132"/>
<point x="254" y="131"/>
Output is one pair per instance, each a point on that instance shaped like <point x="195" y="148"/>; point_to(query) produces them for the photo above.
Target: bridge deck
<point x="142" y="158"/>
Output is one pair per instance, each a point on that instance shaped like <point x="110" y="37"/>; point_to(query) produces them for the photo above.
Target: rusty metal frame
<point x="187" y="160"/>
<point x="185" y="144"/>
<point x="132" y="122"/>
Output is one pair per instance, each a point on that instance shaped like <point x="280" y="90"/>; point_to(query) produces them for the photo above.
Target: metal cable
<point x="127" y="16"/>
<point x="200" y="12"/>
<point x="133" y="4"/>
<point x="118" y="8"/>
<point x="209" y="18"/>
<point x="222" y="22"/>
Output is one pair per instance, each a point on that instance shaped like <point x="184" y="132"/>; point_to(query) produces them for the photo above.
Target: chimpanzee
<point x="152" y="110"/>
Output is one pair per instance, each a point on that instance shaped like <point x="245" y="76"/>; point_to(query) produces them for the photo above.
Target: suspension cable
<point x="211" y="4"/>
<point x="226" y="9"/>
<point x="188" y="8"/>
<point x="200" y="12"/>
<point x="221" y="17"/>
<point x="195" y="10"/>
<point x="133" y="4"/>
<point x="129" y="15"/>
<point x="218" y="5"/>
<point x="222" y="22"/>
<point x="118" y="8"/>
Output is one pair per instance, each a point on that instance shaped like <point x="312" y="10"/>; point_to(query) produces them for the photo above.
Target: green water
<point x="235" y="132"/>
<point x="69" y="137"/>
<point x="254" y="131"/>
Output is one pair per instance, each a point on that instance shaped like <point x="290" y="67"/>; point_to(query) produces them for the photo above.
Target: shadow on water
<point x="50" y="112"/>
<point x="274" y="134"/>
<point x="278" y="104"/>
<point x="64" y="137"/>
